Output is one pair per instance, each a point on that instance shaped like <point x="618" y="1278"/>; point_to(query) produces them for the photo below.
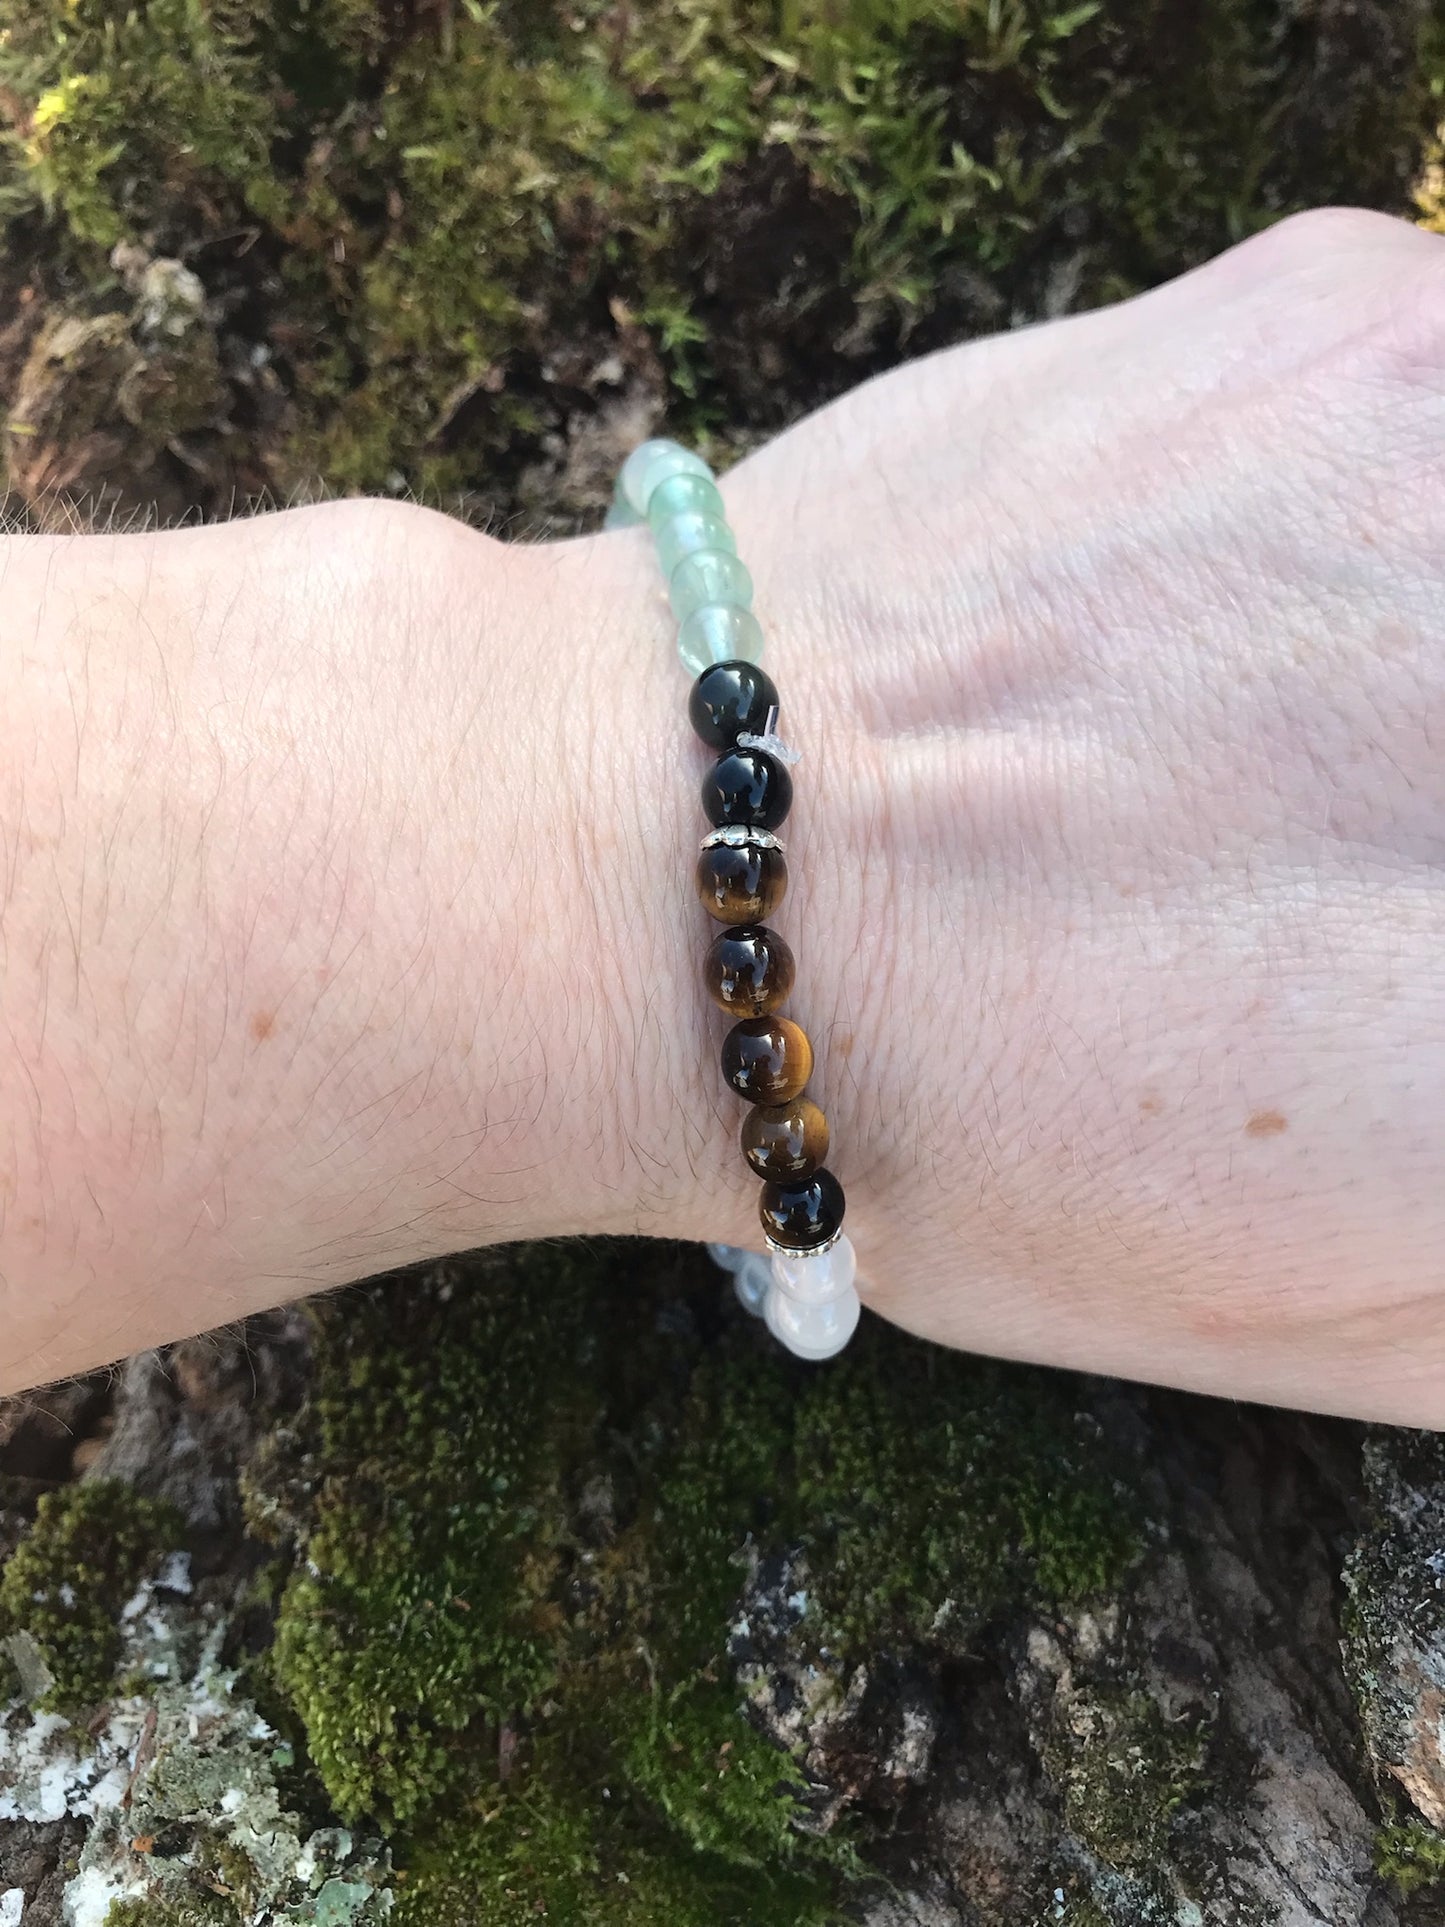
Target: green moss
<point x="65" y="1584"/>
<point x="533" y="1856"/>
<point x="197" y="1912"/>
<point x="538" y="1497"/>
<point x="948" y="1488"/>
<point x="1410" y="1856"/>
<point x="450" y="195"/>
<point x="725" y="1789"/>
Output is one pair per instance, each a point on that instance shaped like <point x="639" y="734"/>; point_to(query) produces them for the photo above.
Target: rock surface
<point x="1083" y="1665"/>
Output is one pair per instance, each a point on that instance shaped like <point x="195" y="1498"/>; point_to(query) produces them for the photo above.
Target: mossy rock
<point x="1124" y="1771"/>
<point x="62" y="1590"/>
<point x="516" y="1631"/>
<point x="1411" y="1856"/>
<point x="452" y="231"/>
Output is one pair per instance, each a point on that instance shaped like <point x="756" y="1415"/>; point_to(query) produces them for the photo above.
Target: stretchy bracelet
<point x="804" y="1286"/>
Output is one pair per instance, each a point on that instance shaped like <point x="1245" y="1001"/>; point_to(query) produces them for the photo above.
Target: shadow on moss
<point x="539" y="1488"/>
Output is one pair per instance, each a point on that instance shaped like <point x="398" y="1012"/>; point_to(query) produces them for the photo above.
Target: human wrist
<point x="515" y="1053"/>
<point x="328" y="815"/>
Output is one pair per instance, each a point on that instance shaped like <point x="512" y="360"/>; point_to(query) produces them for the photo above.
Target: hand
<point x="1118" y="647"/>
<point x="348" y="920"/>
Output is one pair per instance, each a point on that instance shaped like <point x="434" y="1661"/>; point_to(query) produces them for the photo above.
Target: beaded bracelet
<point x="804" y="1288"/>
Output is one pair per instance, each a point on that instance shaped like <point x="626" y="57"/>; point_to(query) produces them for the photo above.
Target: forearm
<point x="334" y="846"/>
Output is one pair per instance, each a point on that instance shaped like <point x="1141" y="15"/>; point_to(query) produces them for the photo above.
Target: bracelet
<point x="804" y="1287"/>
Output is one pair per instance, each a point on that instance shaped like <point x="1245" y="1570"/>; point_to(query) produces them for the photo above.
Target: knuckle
<point x="1324" y="234"/>
<point x="1364" y="294"/>
<point x="1353" y="259"/>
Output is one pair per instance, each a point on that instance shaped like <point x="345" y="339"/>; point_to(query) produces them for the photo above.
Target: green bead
<point x="652" y="463"/>
<point x="719" y="632"/>
<point x="620" y="514"/>
<point x="711" y="575"/>
<point x="686" y="534"/>
<point x="685" y="495"/>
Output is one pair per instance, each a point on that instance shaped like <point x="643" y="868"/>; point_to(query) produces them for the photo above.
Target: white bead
<point x="653" y="462"/>
<point x="812" y="1331"/>
<point x="752" y="1281"/>
<point x="814" y="1277"/>
<point x="752" y="1273"/>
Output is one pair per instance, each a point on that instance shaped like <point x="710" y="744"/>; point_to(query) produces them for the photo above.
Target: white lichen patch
<point x="186" y="1756"/>
<point x="95" y="1890"/>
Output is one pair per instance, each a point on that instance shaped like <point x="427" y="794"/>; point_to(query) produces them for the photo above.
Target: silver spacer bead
<point x="802" y="1251"/>
<point x="740" y="836"/>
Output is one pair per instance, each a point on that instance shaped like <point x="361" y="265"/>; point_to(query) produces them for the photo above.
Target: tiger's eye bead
<point x="785" y="1141"/>
<point x="802" y="1213"/>
<point x="767" y="1059"/>
<point x="748" y="971"/>
<point x="729" y="698"/>
<point x="741" y="883"/>
<point x="747" y="786"/>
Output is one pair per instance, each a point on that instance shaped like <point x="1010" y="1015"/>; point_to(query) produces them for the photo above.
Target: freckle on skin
<point x="1150" y="1105"/>
<point x="262" y="1025"/>
<point x="1266" y="1124"/>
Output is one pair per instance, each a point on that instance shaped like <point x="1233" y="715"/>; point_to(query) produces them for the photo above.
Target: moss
<point x="532" y="1853"/>
<point x="197" y="1912"/>
<point x="537" y="1499"/>
<point x="218" y="1827"/>
<point x="450" y="195"/>
<point x="950" y="1487"/>
<point x="1410" y="1856"/>
<point x="426" y="1603"/>
<point x="1124" y="1771"/>
<point x="65" y="1584"/>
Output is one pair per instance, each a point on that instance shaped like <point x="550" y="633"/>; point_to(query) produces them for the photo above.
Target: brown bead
<point x="741" y="883"/>
<point x="748" y="971"/>
<point x="767" y="1059"/>
<point x="785" y="1140"/>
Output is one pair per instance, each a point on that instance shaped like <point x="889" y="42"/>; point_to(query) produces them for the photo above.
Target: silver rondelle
<point x="741" y="836"/>
<point x="802" y="1251"/>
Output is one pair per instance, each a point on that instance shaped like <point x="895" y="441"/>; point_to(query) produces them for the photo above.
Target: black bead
<point x="729" y="698"/>
<point x="747" y="786"/>
<point x="802" y="1213"/>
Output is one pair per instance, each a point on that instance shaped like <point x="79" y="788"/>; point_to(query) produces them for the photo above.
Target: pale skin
<point x="345" y="855"/>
